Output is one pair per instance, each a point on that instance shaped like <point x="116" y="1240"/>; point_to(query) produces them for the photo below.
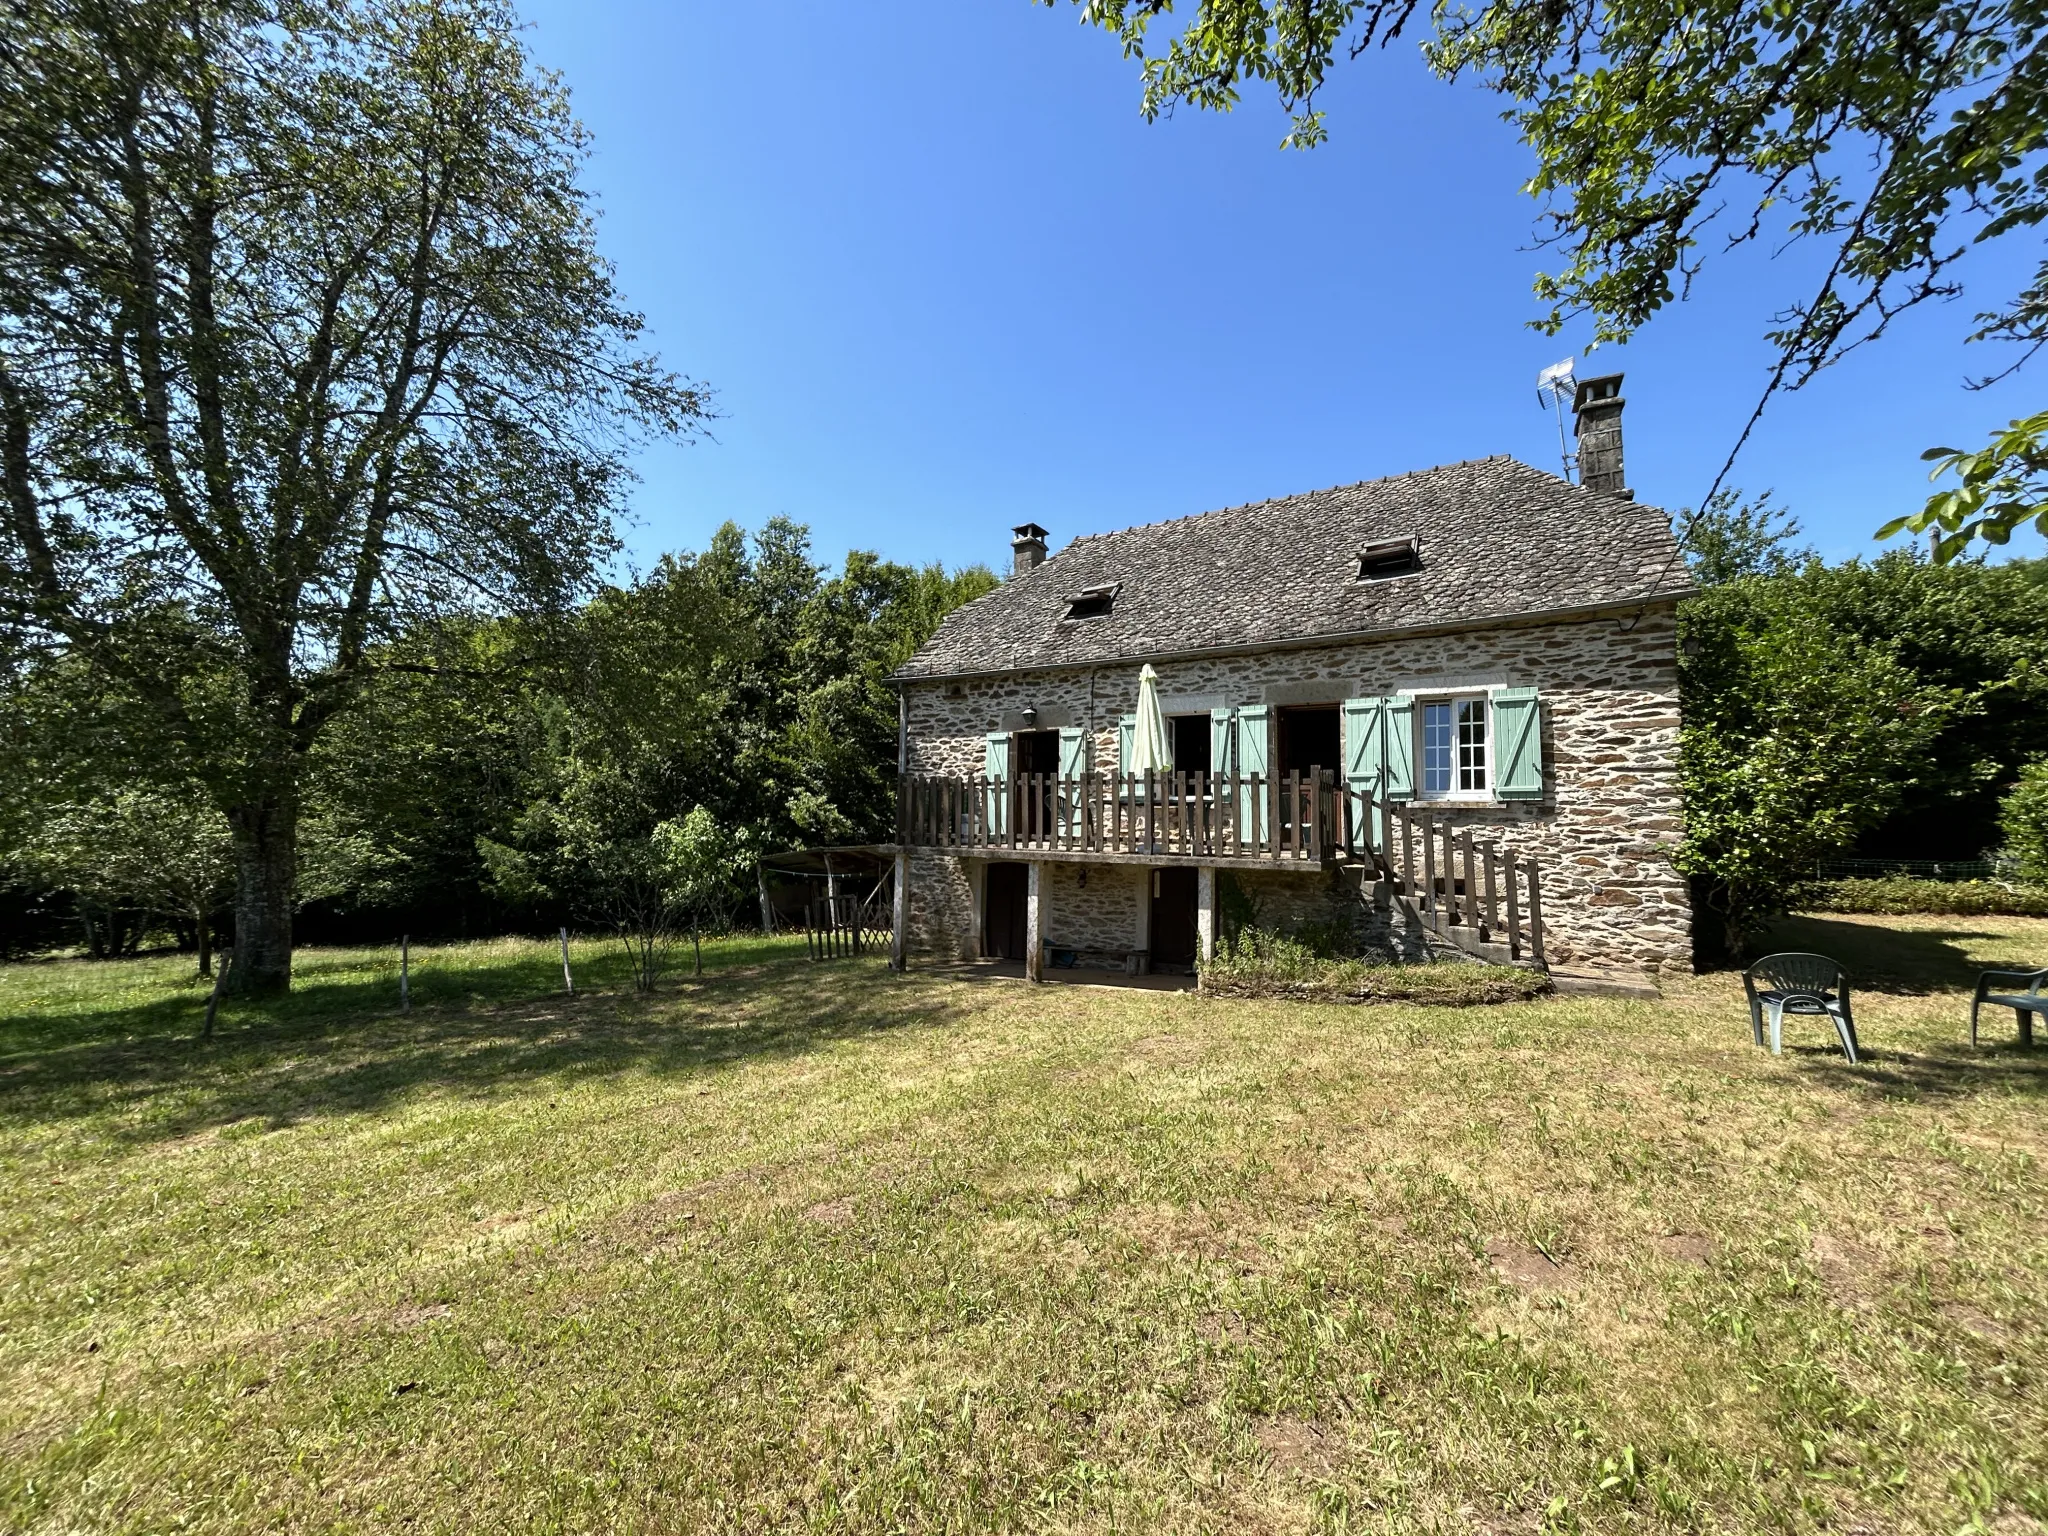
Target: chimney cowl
<point x="1596" y="413"/>
<point x="1027" y="548"/>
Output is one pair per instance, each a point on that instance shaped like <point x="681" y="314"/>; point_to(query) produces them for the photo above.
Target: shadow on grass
<point x="1904" y="962"/>
<point x="1944" y="1072"/>
<point x="349" y="1051"/>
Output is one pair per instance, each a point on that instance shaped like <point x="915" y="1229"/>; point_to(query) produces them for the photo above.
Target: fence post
<point x="1429" y="901"/>
<point x="568" y="981"/>
<point x="1514" y="912"/>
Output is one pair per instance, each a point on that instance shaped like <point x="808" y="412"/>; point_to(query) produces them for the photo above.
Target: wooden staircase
<point x="1466" y="891"/>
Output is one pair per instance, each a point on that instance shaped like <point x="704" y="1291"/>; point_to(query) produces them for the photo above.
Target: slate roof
<point x="1499" y="539"/>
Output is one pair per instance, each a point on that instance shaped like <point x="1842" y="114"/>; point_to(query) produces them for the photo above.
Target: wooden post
<point x="1315" y="814"/>
<point x="1536" y="913"/>
<point x="568" y="981"/>
<point x="1429" y="902"/>
<point x="767" y="906"/>
<point x="1205" y="913"/>
<point x="1034" y="922"/>
<point x="1514" y="912"/>
<point x="221" y="962"/>
<point x="1492" y="933"/>
<point x="405" y="973"/>
<point x="1471" y="881"/>
<point x="900" y="918"/>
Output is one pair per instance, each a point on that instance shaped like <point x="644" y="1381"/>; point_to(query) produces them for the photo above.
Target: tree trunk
<point x="205" y="945"/>
<point x="266" y="836"/>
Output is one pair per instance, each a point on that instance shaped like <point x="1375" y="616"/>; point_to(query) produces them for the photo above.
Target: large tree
<point x="1890" y="134"/>
<point x="304" y="338"/>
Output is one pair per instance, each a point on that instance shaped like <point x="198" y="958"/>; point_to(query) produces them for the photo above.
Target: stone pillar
<point x="1205" y="913"/>
<point x="899" y="937"/>
<point x="1034" y="923"/>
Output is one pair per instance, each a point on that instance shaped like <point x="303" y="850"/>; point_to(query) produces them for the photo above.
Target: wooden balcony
<point x="1229" y="820"/>
<point x="1464" y="888"/>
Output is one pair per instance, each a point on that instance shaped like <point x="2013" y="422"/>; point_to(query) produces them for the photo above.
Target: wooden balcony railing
<point x="1288" y="818"/>
<point x="1464" y="887"/>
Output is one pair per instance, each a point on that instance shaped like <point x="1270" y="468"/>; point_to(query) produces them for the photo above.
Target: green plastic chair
<point x="1809" y="985"/>
<point x="2025" y="1001"/>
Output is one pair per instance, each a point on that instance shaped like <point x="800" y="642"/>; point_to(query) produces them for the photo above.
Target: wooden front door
<point x="1004" y="918"/>
<point x="1173" y="917"/>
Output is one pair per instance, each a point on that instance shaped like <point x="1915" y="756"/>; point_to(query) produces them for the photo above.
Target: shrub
<point x="1897" y="895"/>
<point x="2023" y="818"/>
<point x="1261" y="963"/>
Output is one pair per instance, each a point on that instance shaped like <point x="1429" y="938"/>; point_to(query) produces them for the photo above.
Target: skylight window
<point x="1389" y="557"/>
<point x="1093" y="602"/>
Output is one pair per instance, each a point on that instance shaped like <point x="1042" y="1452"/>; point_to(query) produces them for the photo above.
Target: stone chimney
<point x="1027" y="548"/>
<point x="1596" y="412"/>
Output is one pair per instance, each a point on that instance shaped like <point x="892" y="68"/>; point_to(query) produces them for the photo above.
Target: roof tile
<point x="1499" y="539"/>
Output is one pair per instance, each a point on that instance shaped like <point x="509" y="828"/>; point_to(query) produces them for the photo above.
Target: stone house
<point x="1436" y="709"/>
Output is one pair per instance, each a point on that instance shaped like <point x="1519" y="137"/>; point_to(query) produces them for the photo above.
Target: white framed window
<point x="1456" y="758"/>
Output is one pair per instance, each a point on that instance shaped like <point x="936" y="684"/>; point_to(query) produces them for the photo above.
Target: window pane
<point x="1472" y="746"/>
<point x="1436" y="749"/>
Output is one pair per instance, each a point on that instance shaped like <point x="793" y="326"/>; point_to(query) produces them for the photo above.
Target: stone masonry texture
<point x="1604" y="831"/>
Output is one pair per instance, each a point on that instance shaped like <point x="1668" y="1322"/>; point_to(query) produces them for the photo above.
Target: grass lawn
<point x="820" y="1247"/>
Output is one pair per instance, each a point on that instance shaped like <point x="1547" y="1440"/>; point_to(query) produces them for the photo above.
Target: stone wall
<point x="942" y="907"/>
<point x="1604" y="831"/>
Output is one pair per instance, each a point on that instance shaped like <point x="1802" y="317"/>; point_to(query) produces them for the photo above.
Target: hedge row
<point x="1896" y="895"/>
<point x="1263" y="964"/>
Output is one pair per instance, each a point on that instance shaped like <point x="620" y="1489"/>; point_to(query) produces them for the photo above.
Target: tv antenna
<point x="1553" y="385"/>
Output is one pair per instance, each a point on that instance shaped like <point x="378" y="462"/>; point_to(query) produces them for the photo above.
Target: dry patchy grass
<point x="824" y="1248"/>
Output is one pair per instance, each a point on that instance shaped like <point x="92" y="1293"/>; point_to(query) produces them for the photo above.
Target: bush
<point x="2023" y="818"/>
<point x="1260" y="963"/>
<point x="1897" y="895"/>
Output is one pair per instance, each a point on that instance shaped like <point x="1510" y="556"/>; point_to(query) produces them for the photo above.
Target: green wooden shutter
<point x="1400" y="739"/>
<point x="1073" y="763"/>
<point x="1222" y="741"/>
<point x="1365" y="744"/>
<point x="996" y="764"/>
<point x="1365" y="758"/>
<point x="1254" y="755"/>
<point x="1126" y="728"/>
<point x="1517" y="744"/>
<point x="1073" y="752"/>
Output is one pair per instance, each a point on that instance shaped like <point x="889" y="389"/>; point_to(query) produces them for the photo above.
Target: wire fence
<point x="1916" y="869"/>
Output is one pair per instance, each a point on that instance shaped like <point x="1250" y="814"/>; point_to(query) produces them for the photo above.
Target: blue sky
<point x="945" y="279"/>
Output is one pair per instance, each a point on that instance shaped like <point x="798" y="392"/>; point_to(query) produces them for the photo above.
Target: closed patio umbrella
<point x="1150" y="750"/>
